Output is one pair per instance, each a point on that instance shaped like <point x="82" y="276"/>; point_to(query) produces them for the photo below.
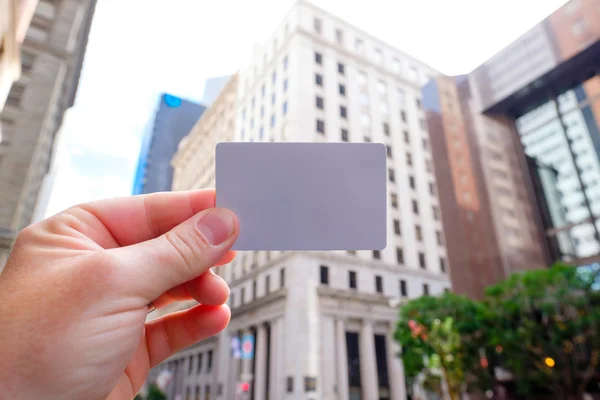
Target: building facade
<point x="518" y="147"/>
<point x="322" y="321"/>
<point x="51" y="59"/>
<point x="173" y="120"/>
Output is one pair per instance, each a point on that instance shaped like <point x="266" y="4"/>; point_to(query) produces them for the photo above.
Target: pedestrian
<point x="77" y="288"/>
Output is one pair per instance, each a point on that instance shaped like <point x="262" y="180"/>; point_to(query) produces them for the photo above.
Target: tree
<point x="446" y="334"/>
<point x="154" y="393"/>
<point x="546" y="328"/>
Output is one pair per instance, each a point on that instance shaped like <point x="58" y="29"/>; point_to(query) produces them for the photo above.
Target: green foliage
<point x="445" y="333"/>
<point x="154" y="393"/>
<point x="546" y="317"/>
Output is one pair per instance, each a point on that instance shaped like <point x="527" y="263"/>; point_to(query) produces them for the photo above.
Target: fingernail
<point x="216" y="226"/>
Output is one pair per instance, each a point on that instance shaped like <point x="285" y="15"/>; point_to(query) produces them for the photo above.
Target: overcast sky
<point x="140" y="48"/>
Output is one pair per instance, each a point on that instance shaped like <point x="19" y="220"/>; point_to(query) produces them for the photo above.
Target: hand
<point x="74" y="294"/>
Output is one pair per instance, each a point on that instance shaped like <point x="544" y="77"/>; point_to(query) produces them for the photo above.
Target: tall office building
<point x="173" y="120"/>
<point x="322" y="321"/>
<point x="517" y="150"/>
<point x="51" y="55"/>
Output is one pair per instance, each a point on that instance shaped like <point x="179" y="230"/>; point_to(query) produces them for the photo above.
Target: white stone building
<point x="322" y="320"/>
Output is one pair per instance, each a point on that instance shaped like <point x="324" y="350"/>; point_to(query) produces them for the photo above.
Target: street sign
<point x="248" y="347"/>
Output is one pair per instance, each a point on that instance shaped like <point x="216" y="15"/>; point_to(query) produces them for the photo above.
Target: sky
<point x="140" y="48"/>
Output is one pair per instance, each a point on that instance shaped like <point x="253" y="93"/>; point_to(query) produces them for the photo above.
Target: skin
<point x="75" y="292"/>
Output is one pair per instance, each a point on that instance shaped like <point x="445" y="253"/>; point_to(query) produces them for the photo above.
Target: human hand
<point x="75" y="290"/>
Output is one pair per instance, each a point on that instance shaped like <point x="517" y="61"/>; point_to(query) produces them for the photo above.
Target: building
<point x="212" y="88"/>
<point x="322" y="321"/>
<point x="51" y="57"/>
<point x="173" y="120"/>
<point x="517" y="148"/>
<point x="15" y="17"/>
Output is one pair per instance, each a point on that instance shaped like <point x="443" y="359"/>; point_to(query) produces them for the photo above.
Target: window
<point x="378" y="56"/>
<point x="243" y="296"/>
<point x="320" y="126"/>
<point x="359" y="46"/>
<point x="422" y="261"/>
<point x="418" y="101"/>
<point x="284" y="107"/>
<point x="399" y="255"/>
<point x="232" y="295"/>
<point x="263" y="90"/>
<point x="37" y="34"/>
<point x="324" y="275"/>
<point x="261" y="132"/>
<point x="403" y="291"/>
<point x="364" y="99"/>
<point x="319" y="79"/>
<point x="318" y="58"/>
<point x="199" y="363"/>
<point x="317" y="24"/>
<point x="396" y="65"/>
<point x="362" y="78"/>
<point x="253" y="102"/>
<point x="467" y="197"/>
<point x="397" y="227"/>
<point x="285" y="85"/>
<point x="406" y="137"/>
<point x="440" y="238"/>
<point x="209" y="361"/>
<point x="425" y="144"/>
<point x="254" y="290"/>
<point x="197" y="393"/>
<point x="290" y="384"/>
<point x="272" y="120"/>
<point x="339" y="36"/>
<point x="401" y="97"/>
<point x="352" y="279"/>
<point x="190" y="365"/>
<point x="342" y="90"/>
<point x="415" y="207"/>
<point x="422" y="124"/>
<point x="344" y="135"/>
<point x="343" y="112"/>
<point x="425" y="289"/>
<point x="385" y="109"/>
<point x="413" y="74"/>
<point x="386" y="129"/>
<point x="15" y="95"/>
<point x="411" y="181"/>
<point x="285" y="62"/>
<point x="273" y="98"/>
<point x="432" y="188"/>
<point x="262" y="111"/>
<point x="377" y="254"/>
<point x="367" y="139"/>
<point x="435" y="212"/>
<point x="409" y="159"/>
<point x="382" y="88"/>
<point x="319" y="102"/>
<point x="378" y="284"/>
<point x="443" y="265"/>
<point x="282" y="277"/>
<point x="389" y="150"/>
<point x="578" y="27"/>
<point x="274" y="77"/>
<point x="391" y="175"/>
<point x="267" y="284"/>
<point x="27" y="60"/>
<point x="341" y="68"/>
<point x="418" y="233"/>
<point x="394" y="200"/>
<point x="403" y="115"/>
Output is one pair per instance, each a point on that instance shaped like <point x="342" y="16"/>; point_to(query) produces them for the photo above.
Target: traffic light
<point x="245" y="386"/>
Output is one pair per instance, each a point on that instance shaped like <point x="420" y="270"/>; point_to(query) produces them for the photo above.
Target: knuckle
<point x="188" y="252"/>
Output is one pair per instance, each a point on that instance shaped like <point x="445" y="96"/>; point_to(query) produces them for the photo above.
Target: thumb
<point x="152" y="267"/>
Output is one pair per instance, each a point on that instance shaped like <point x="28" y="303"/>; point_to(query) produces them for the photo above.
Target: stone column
<point x="342" y="360"/>
<point x="275" y="365"/>
<point x="395" y="369"/>
<point x="260" y="375"/>
<point x="368" y="362"/>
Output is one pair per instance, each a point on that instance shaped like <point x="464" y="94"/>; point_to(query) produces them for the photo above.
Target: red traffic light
<point x="245" y="386"/>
